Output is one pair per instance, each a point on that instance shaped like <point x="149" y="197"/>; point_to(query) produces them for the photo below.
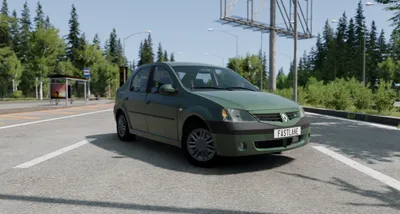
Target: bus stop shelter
<point x="60" y="88"/>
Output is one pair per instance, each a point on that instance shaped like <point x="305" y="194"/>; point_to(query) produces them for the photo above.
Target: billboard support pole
<point x="85" y="96"/>
<point x="66" y="92"/>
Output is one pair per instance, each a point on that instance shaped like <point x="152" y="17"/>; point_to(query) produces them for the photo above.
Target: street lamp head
<point x="210" y="29"/>
<point x="368" y="3"/>
<point x="334" y="21"/>
<point x="148" y="31"/>
<point x="205" y="53"/>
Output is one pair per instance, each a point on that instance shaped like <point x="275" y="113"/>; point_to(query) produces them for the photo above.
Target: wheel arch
<point x="119" y="111"/>
<point x="193" y="119"/>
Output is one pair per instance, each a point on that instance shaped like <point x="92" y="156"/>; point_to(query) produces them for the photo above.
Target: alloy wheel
<point x="200" y="145"/>
<point x="122" y="125"/>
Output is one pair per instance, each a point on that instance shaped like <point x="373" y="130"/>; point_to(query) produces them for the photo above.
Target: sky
<point x="182" y="25"/>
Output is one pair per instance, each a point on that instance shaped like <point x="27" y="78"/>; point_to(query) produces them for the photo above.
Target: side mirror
<point x="167" y="89"/>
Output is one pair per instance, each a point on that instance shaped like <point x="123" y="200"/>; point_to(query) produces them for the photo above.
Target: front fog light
<point x="242" y="146"/>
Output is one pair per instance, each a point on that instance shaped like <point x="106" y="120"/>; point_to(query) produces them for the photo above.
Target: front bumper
<point x="258" y="138"/>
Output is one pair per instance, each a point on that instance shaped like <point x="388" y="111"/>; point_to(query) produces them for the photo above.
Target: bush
<point x="287" y="92"/>
<point x="361" y="96"/>
<point x="301" y="96"/>
<point x="339" y="96"/>
<point x="315" y="92"/>
<point x="384" y="97"/>
<point x="17" y="94"/>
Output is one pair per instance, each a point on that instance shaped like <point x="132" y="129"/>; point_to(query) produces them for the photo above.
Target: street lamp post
<point x="236" y="37"/>
<point x="147" y="31"/>
<point x="222" y="58"/>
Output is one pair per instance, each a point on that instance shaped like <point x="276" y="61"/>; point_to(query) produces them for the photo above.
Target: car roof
<point x="172" y="64"/>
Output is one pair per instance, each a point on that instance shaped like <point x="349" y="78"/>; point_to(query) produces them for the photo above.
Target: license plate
<point x="287" y="132"/>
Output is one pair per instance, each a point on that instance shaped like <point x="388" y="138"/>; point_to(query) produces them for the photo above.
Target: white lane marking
<point x="366" y="170"/>
<point x="53" y="154"/>
<point x="355" y="121"/>
<point x="53" y="119"/>
<point x="316" y="135"/>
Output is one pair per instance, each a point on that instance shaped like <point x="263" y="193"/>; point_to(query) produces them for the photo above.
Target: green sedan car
<point x="208" y="111"/>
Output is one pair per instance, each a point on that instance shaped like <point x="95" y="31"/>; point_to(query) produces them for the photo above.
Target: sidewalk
<point x="7" y="107"/>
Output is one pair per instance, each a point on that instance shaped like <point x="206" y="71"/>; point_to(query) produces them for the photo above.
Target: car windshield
<point x="212" y="78"/>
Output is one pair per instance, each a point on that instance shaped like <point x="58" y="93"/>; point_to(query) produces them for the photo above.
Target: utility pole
<point x="364" y="52"/>
<point x="261" y="62"/>
<point x="295" y="53"/>
<point x="272" y="48"/>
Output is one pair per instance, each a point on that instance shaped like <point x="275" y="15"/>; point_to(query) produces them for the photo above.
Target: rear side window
<point x="139" y="81"/>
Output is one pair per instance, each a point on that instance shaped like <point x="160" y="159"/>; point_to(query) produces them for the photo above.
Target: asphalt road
<point x="71" y="161"/>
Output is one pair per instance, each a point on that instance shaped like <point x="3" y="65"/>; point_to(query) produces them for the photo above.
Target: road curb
<point x="384" y="120"/>
<point x="48" y="107"/>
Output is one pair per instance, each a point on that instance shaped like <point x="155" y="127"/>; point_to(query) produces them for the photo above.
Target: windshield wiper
<point x="230" y="88"/>
<point x="208" y="87"/>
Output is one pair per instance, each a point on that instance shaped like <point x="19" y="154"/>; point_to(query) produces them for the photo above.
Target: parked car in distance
<point x="208" y="111"/>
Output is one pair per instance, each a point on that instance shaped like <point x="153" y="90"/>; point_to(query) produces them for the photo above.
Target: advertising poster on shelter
<point x="58" y="91"/>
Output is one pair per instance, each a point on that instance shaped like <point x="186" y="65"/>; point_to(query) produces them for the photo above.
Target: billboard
<point x="58" y="91"/>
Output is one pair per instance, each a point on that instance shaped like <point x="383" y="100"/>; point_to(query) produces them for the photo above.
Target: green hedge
<point x="342" y="94"/>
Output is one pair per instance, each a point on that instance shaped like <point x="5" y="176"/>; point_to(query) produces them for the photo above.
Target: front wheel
<point x="123" y="128"/>
<point x="199" y="147"/>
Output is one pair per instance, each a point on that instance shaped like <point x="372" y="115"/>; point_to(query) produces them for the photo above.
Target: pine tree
<point x="15" y="34"/>
<point x="328" y="71"/>
<point x="373" y="56"/>
<point x="39" y="18"/>
<point x="4" y="8"/>
<point x="265" y="69"/>
<point x="383" y="49"/>
<point x="120" y="54"/>
<point x="393" y="5"/>
<point x="113" y="46"/>
<point x="160" y="56"/>
<point x="149" y="49"/>
<point x="320" y="55"/>
<point x="341" y="38"/>
<point x="96" y="41"/>
<point x="26" y="26"/>
<point x="360" y="37"/>
<point x="73" y="36"/>
<point x="351" y="44"/>
<point x="172" y="57"/>
<point x="140" y="62"/>
<point x="5" y="36"/>
<point x="47" y="23"/>
<point x="165" y="56"/>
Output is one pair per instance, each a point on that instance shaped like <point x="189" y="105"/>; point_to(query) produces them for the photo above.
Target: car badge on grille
<point x="284" y="117"/>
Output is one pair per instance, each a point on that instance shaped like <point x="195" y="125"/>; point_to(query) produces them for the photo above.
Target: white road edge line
<point x="366" y="170"/>
<point x="53" y="154"/>
<point x="355" y="121"/>
<point x="53" y="119"/>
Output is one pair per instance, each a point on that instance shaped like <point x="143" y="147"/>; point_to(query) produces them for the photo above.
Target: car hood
<point x="249" y="100"/>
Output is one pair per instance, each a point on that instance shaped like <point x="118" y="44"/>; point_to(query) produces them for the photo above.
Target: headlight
<point x="302" y="113"/>
<point x="236" y="115"/>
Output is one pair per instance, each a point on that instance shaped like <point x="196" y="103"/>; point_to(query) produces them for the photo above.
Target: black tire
<point x="123" y="128"/>
<point x="211" y="160"/>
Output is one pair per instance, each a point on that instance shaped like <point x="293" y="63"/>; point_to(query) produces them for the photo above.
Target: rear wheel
<point x="199" y="146"/>
<point x="123" y="128"/>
